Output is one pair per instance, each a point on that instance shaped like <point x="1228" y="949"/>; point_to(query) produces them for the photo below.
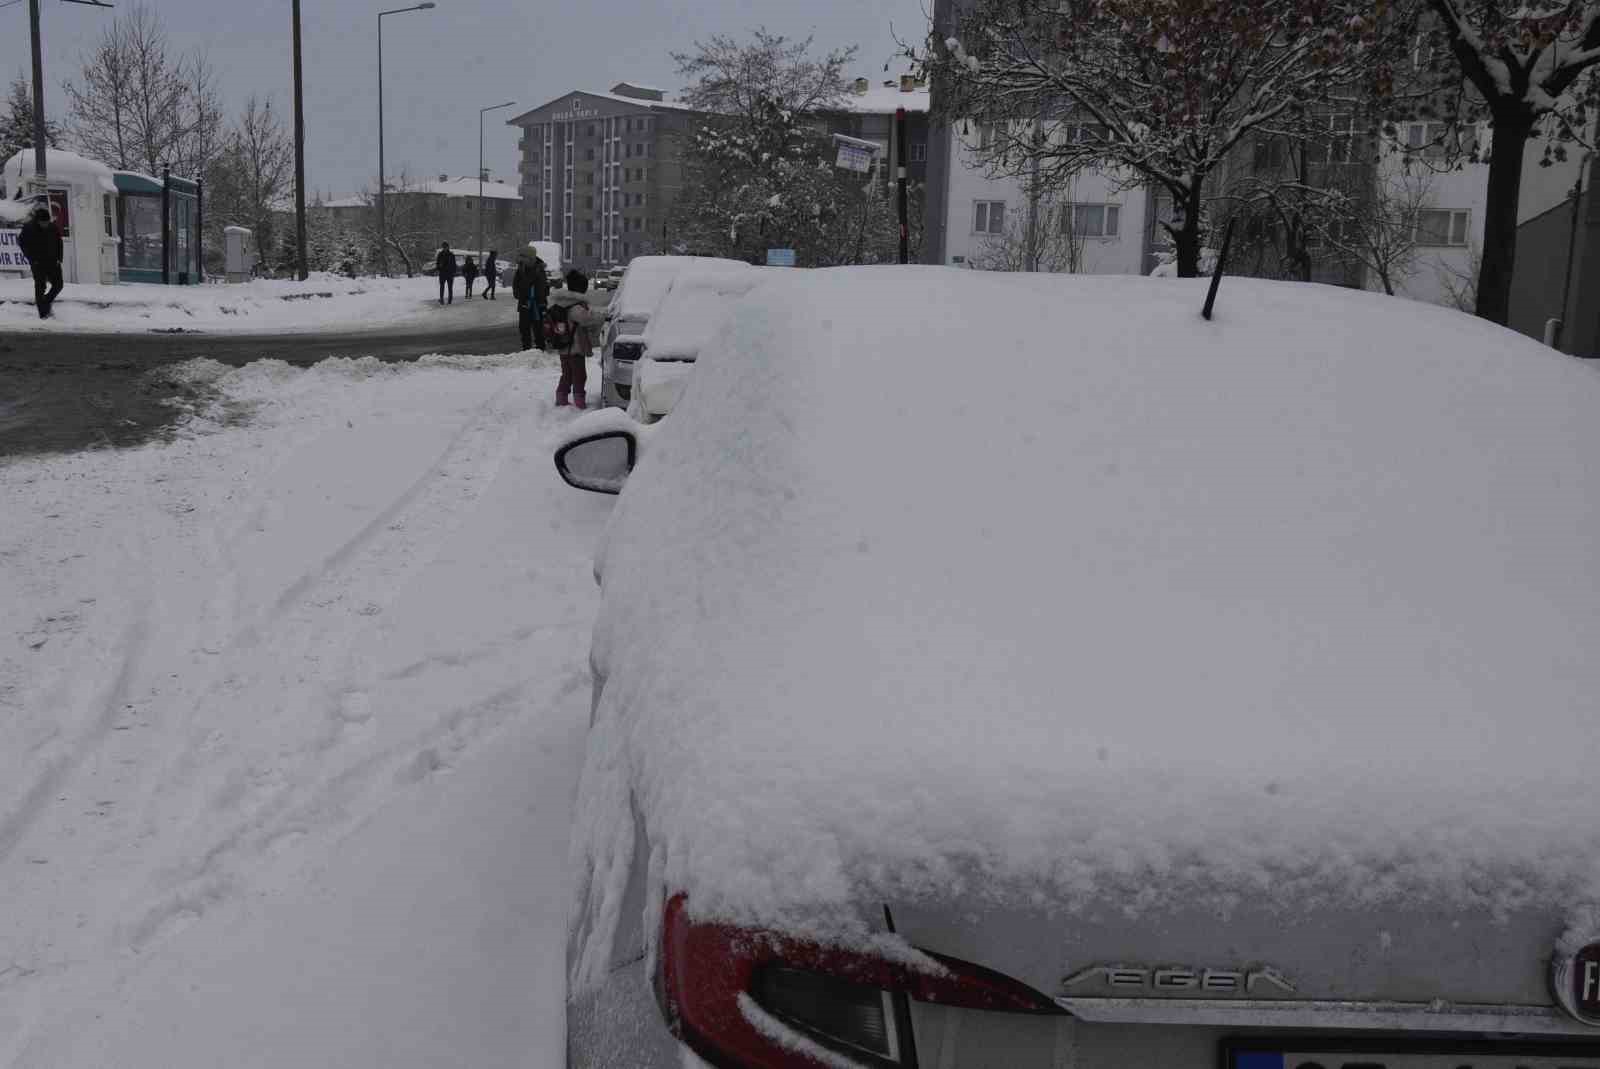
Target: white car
<point x="694" y="308"/>
<point x="1120" y="689"/>
<point x="636" y="297"/>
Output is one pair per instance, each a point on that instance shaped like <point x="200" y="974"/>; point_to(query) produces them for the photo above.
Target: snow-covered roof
<point x="61" y="164"/>
<point x="883" y="100"/>
<point x="634" y="102"/>
<point x="1293" y="605"/>
<point x="449" y="187"/>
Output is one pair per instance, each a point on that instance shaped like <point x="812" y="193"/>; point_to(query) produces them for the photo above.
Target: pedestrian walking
<point x="491" y="275"/>
<point x="531" y="287"/>
<point x="40" y="241"/>
<point x="469" y="274"/>
<point x="446" y="263"/>
<point x="567" y="331"/>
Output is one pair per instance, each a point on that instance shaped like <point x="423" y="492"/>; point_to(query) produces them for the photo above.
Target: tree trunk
<point x="1187" y="237"/>
<point x="1500" y="217"/>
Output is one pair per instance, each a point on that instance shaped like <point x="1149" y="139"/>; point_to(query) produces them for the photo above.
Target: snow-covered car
<point x="636" y="297"/>
<point x="696" y="305"/>
<point x="1226" y="697"/>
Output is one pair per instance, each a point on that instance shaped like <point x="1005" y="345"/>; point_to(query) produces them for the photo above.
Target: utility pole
<point x="481" y="113"/>
<point x="900" y="179"/>
<point x="299" y="156"/>
<point x="383" y="178"/>
<point x="40" y="154"/>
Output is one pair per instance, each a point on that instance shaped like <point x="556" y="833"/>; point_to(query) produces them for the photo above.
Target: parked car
<point x="697" y="304"/>
<point x="1027" y="672"/>
<point x="643" y="283"/>
<point x="608" y="278"/>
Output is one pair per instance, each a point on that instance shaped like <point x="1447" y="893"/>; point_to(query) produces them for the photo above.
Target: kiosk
<point x="83" y="200"/>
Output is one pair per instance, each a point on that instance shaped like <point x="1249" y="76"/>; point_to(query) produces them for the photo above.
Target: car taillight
<point x="752" y="999"/>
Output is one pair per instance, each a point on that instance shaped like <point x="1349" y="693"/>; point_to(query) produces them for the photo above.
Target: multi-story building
<point x="444" y="209"/>
<point x="601" y="171"/>
<point x="867" y="113"/>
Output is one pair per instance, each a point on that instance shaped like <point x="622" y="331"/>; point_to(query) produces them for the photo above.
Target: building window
<point x="1268" y="154"/>
<point x="589" y="130"/>
<point x="1441" y="228"/>
<point x="588" y="202"/>
<point x="988" y="135"/>
<point x="1086" y="133"/>
<point x="588" y="153"/>
<point x="638" y="198"/>
<point x="988" y="216"/>
<point x="1091" y="220"/>
<point x="1429" y="140"/>
<point x="919" y="152"/>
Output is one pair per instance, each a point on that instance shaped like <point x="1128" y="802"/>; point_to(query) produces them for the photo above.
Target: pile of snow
<point x="697" y="304"/>
<point x="647" y="279"/>
<point x="1298" y="603"/>
<point x="14" y="212"/>
<point x="322" y="302"/>
<point x="290" y="716"/>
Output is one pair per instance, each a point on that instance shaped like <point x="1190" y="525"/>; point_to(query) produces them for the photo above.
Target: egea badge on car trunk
<point x="1576" y="978"/>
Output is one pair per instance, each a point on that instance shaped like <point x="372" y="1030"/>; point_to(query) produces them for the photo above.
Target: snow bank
<point x="14" y="212"/>
<point x="648" y="277"/>
<point x="694" y="307"/>
<point x="322" y="302"/>
<point x="1300" y="600"/>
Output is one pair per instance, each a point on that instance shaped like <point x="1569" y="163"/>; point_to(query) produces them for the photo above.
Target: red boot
<point x="561" y="397"/>
<point x="578" y="399"/>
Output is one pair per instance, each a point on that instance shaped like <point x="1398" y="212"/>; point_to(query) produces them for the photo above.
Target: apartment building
<point x="601" y="172"/>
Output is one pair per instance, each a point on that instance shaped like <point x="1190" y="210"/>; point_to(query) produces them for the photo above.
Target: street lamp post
<point x="481" y="113"/>
<point x="41" y="156"/>
<point x="383" y="233"/>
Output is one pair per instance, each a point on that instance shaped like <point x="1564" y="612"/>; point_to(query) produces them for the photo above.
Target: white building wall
<point x="1435" y="267"/>
<point x="969" y="185"/>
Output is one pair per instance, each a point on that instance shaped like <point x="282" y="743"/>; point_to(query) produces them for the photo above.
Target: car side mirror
<point x="600" y="462"/>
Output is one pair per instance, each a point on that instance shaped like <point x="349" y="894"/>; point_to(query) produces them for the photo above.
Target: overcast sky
<point x="441" y="66"/>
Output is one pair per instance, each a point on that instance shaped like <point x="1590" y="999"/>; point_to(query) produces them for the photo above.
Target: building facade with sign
<point x="600" y="172"/>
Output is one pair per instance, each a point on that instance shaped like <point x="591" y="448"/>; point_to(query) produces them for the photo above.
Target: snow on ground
<point x="322" y="302"/>
<point x="290" y="717"/>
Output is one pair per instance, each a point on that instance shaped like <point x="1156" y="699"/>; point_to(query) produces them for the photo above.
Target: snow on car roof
<point x="648" y="277"/>
<point x="1300" y="600"/>
<point x="694" y="306"/>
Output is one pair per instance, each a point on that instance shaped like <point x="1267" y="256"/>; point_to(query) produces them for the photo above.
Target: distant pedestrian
<point x="469" y="272"/>
<point x="531" y="287"/>
<point x="446" y="263"/>
<point x="40" y="241"/>
<point x="491" y="275"/>
<point x="567" y="331"/>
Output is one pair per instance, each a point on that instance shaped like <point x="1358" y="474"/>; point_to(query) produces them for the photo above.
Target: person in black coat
<point x="469" y="273"/>
<point x="531" y="287"/>
<point x="446" y="263"/>
<point x="491" y="275"/>
<point x="40" y="241"/>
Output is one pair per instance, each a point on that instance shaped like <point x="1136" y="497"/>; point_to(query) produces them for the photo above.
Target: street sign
<point x="855" y="154"/>
<point x="852" y="158"/>
<point x="780" y="257"/>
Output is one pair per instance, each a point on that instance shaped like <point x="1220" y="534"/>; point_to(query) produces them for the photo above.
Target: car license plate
<point x="1321" y="1053"/>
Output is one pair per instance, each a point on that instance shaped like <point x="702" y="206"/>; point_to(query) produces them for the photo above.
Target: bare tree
<point x="251" y="174"/>
<point x="1460" y="284"/>
<point x="1379" y="231"/>
<point x="137" y="106"/>
<point x="1159" y="91"/>
<point x="414" y="222"/>
<point x="1043" y="239"/>
<point x="1528" y="66"/>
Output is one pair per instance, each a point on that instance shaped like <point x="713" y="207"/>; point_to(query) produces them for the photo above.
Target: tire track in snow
<point x="256" y="775"/>
<point x="15" y="825"/>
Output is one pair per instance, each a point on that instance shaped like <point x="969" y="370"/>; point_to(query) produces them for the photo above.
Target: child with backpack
<point x="566" y="331"/>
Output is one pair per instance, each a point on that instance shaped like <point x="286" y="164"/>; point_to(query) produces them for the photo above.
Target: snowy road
<point x="290" y="715"/>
